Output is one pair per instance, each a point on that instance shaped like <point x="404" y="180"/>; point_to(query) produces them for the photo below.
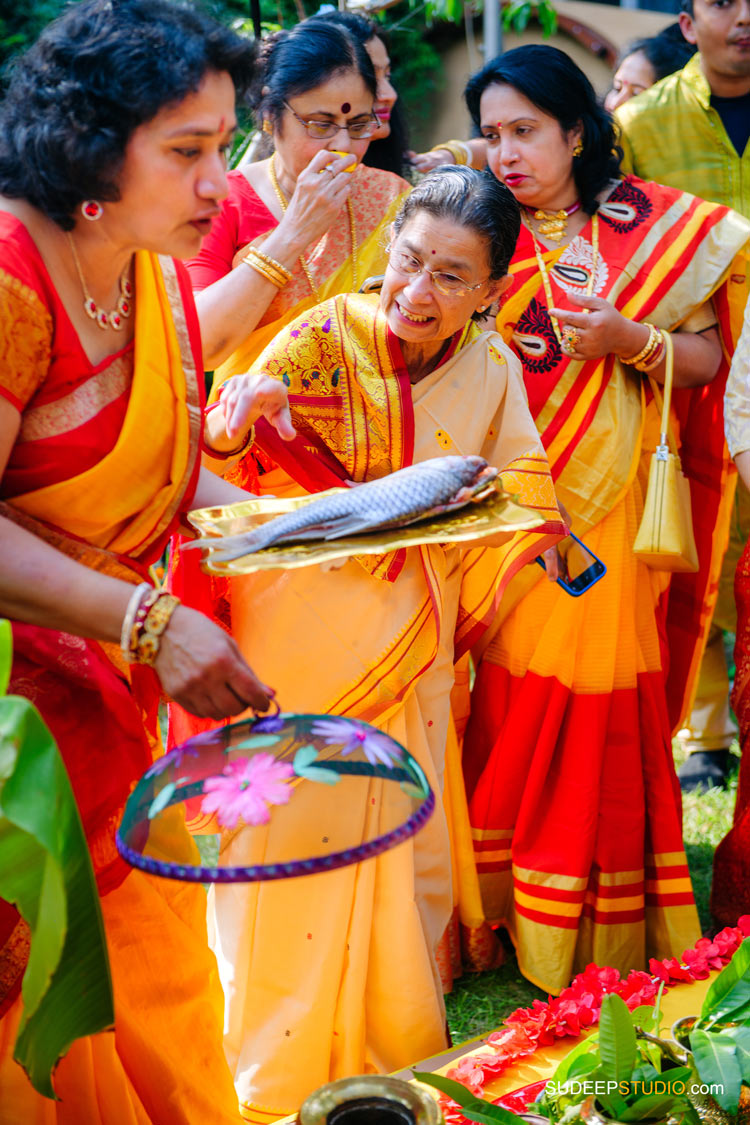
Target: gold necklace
<point x="545" y="276"/>
<point x="122" y="309"/>
<point x="553" y="224"/>
<point x="352" y="228"/>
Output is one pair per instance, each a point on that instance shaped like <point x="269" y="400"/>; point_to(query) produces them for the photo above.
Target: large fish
<point x="396" y="500"/>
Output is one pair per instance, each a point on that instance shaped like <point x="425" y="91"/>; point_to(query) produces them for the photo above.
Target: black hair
<point x="471" y="199"/>
<point x="96" y="74"/>
<point x="388" y="153"/>
<point x="665" y="53"/>
<point x="559" y="88"/>
<point x="295" y="61"/>
<point x="686" y="6"/>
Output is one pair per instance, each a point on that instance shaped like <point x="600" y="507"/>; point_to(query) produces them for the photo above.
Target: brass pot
<point x="590" y="1115"/>
<point x="707" y="1108"/>
<point x="369" y="1099"/>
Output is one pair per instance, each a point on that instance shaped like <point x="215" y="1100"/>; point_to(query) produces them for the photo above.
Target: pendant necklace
<point x="545" y="275"/>
<point x="122" y="309"/>
<point x="553" y="224"/>
<point x="352" y="228"/>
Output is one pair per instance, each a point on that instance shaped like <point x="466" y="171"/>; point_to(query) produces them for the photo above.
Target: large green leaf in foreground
<point x="45" y="871"/>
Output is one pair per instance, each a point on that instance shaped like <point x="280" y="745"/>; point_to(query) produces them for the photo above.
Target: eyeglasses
<point x="358" y="130"/>
<point x="446" y="283"/>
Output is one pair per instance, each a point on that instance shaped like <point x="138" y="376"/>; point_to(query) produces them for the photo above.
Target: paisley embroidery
<point x="535" y="338"/>
<point x="626" y="208"/>
<point x="572" y="270"/>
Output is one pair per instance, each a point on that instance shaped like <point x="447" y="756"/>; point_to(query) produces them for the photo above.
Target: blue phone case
<point x="588" y="578"/>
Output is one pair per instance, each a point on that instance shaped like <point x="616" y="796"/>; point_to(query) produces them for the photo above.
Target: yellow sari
<point x="336" y="974"/>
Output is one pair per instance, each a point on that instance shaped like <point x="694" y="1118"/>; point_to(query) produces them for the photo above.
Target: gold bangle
<point x="267" y="267"/>
<point x="264" y="271"/>
<point x="654" y="358"/>
<point x="459" y="150"/>
<point x="282" y="270"/>
<point x="220" y="455"/>
<point x="650" y="343"/>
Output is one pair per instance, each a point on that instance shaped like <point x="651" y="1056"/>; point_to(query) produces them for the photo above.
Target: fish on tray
<point x="425" y="489"/>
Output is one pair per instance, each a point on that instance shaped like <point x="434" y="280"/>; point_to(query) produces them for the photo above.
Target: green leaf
<point x="565" y="1067"/>
<point x="476" y="1109"/>
<point x="6" y="655"/>
<point x="161" y="800"/>
<point x="741" y="1038"/>
<point x="644" y="1017"/>
<point x="45" y="871"/>
<point x="617" y="1042"/>
<point x="718" y="999"/>
<point x="717" y="1066"/>
<point x="653" y="1106"/>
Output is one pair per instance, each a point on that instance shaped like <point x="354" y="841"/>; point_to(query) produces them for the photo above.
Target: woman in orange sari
<point x="574" y="804"/>
<point x="337" y="974"/>
<point x="100" y="435"/>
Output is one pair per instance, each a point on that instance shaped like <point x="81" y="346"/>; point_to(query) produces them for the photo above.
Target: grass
<point x="479" y="1003"/>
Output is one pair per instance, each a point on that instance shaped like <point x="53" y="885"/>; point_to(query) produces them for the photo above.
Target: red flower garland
<point x="578" y="1006"/>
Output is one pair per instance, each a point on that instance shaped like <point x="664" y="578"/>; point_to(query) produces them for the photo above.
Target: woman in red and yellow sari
<point x="574" y="804"/>
<point x="337" y="974"/>
<point x="100" y="434"/>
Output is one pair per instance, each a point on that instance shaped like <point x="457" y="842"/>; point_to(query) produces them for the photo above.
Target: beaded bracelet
<point x="459" y="150"/>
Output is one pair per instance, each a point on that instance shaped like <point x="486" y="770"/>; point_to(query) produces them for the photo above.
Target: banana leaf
<point x="476" y="1109"/>
<point x="46" y="872"/>
<point x="618" y="1046"/>
<point x="728" y="997"/>
<point x="717" y="1066"/>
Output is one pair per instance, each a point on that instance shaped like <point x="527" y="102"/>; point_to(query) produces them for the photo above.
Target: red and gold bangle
<point x="654" y="337"/>
<point x="153" y="627"/>
<point x="146" y="623"/>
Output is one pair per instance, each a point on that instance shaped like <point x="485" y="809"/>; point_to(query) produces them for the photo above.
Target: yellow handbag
<point x="665" y="539"/>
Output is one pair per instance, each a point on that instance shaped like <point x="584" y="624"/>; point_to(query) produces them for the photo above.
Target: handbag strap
<point x="663" y="398"/>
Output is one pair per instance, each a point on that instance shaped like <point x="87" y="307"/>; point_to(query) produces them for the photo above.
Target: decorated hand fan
<point x="291" y="794"/>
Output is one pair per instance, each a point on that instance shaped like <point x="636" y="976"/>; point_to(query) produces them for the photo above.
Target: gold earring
<point x="579" y="148"/>
<point x="267" y="126"/>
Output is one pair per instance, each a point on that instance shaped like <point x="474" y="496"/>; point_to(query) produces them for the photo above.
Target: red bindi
<point x="221" y="125"/>
<point x="345" y="107"/>
<point x="433" y="251"/>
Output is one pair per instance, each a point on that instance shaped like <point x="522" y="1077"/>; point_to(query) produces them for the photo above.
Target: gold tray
<point x="494" y="510"/>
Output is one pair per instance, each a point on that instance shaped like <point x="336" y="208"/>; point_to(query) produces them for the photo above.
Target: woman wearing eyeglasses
<point x="307" y="222"/>
<point x="338" y="974"/>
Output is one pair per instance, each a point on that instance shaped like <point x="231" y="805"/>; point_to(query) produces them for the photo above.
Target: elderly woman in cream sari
<point x="337" y="974"/>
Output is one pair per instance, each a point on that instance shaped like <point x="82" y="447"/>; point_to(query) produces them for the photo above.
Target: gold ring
<point x="570" y="338"/>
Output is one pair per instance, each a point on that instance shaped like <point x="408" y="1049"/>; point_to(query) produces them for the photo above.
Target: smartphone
<point x="581" y="568"/>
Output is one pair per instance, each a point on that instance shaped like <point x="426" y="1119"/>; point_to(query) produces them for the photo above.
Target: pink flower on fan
<point x="376" y="746"/>
<point x="247" y="789"/>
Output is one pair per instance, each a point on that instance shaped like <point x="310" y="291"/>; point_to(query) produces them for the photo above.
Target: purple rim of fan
<point x="262" y="873"/>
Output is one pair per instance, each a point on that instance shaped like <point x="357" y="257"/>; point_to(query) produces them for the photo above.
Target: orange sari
<point x="574" y="804"/>
<point x="106" y="460"/>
